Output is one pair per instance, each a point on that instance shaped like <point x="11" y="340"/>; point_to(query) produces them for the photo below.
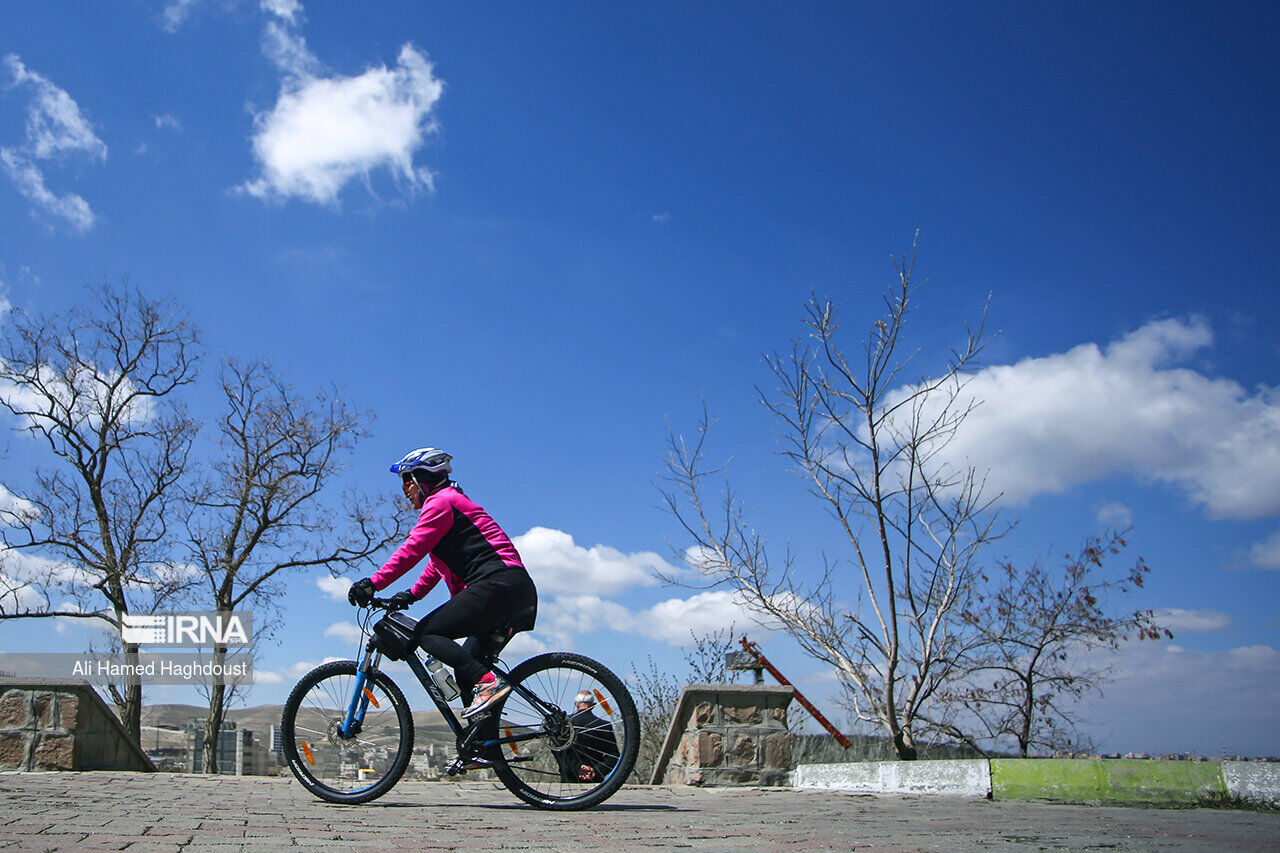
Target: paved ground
<point x="160" y="812"/>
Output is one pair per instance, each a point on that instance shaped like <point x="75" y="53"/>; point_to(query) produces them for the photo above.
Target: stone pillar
<point x="727" y="734"/>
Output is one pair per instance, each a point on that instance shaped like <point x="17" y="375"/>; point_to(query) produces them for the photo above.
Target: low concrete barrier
<point x="1105" y="780"/>
<point x="961" y="778"/>
<point x="1134" y="781"/>
<point x="1253" y="780"/>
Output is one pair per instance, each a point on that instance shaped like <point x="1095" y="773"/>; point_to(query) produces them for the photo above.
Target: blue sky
<point x="533" y="234"/>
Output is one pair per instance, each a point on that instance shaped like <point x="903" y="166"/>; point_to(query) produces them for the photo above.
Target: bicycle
<point x="348" y="731"/>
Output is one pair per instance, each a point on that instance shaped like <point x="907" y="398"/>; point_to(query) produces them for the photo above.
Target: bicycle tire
<point x="534" y="770"/>
<point x="333" y="767"/>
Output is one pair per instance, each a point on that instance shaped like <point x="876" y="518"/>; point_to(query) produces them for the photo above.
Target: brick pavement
<point x="166" y="813"/>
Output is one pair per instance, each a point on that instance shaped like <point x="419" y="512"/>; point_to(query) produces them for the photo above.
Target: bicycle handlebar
<point x="386" y="604"/>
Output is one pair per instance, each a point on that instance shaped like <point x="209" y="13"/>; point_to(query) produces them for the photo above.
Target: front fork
<point x="360" y="696"/>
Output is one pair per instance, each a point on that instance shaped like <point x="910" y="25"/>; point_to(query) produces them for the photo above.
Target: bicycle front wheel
<point x="566" y="736"/>
<point x="341" y="768"/>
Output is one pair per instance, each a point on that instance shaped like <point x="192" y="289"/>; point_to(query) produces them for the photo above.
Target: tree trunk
<point x="1028" y="709"/>
<point x="131" y="711"/>
<point x="213" y="723"/>
<point x="905" y="748"/>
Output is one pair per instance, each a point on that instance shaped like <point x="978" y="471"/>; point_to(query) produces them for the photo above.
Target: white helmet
<point x="430" y="459"/>
<point x="584" y="697"/>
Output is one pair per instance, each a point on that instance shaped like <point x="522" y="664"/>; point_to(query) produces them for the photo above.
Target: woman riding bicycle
<point x="491" y="589"/>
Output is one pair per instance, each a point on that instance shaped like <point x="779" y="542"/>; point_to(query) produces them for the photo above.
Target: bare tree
<point x="259" y="512"/>
<point x="96" y="388"/>
<point x="656" y="693"/>
<point x="707" y="657"/>
<point x="1043" y="638"/>
<point x="869" y="445"/>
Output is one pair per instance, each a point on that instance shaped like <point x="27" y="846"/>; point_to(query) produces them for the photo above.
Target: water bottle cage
<point x="443" y="680"/>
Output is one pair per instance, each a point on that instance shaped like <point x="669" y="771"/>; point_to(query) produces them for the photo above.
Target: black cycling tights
<point x="476" y="612"/>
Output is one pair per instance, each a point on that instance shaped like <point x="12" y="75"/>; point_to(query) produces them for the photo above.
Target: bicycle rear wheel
<point x="556" y="756"/>
<point x="337" y="768"/>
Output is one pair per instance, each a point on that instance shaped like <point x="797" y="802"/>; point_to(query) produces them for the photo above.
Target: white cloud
<point x="81" y="394"/>
<point x="1047" y="424"/>
<point x="293" y="672"/>
<point x="1117" y="516"/>
<point x="29" y="180"/>
<point x="24" y="576"/>
<point x="289" y="52"/>
<point x="562" y="619"/>
<point x="335" y="588"/>
<point x="344" y="631"/>
<point x="525" y="645"/>
<point x="302" y="667"/>
<point x="12" y="505"/>
<point x="55" y="129"/>
<point x="1266" y="554"/>
<point x="557" y="564"/>
<point x="1168" y="698"/>
<point x="27" y="567"/>
<point x="167" y="121"/>
<point x="175" y="573"/>
<point x="55" y="126"/>
<point x="288" y="10"/>
<point x="325" y="131"/>
<point x="65" y="626"/>
<point x="1181" y="621"/>
<point x="17" y="596"/>
<point x="676" y="620"/>
<point x="176" y="13"/>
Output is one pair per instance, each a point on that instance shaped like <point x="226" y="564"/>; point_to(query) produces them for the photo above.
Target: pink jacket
<point x="464" y="544"/>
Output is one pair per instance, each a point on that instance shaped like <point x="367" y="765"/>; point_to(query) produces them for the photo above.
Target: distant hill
<point x="260" y="718"/>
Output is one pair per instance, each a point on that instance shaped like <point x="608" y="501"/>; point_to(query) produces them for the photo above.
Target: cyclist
<point x="491" y="588"/>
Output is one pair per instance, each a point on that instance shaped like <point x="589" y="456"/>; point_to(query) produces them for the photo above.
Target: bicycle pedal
<point x="458" y="765"/>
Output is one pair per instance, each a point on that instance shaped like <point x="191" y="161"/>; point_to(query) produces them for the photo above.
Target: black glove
<point x="402" y="600"/>
<point x="361" y="592"/>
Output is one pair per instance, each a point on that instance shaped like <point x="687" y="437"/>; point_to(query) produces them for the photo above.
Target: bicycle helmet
<point x="428" y="459"/>
<point x="584" y="697"/>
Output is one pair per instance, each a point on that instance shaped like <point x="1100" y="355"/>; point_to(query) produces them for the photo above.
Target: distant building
<point x="276" y="746"/>
<point x="239" y="753"/>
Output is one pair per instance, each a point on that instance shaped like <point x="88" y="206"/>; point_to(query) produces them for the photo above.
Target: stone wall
<point x="727" y="734"/>
<point x="60" y="724"/>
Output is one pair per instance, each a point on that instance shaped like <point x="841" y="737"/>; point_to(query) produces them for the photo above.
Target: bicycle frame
<point x="465" y="734"/>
